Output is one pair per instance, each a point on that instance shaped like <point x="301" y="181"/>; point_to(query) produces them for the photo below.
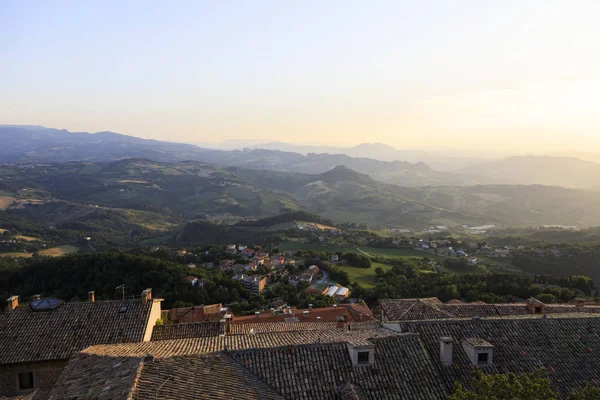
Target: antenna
<point x="122" y="287"/>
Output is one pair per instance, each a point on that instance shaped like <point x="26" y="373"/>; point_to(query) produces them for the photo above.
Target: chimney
<point x="36" y="297"/>
<point x="13" y="303"/>
<point x="319" y="319"/>
<point x="91" y="296"/>
<point x="257" y="313"/>
<point x="227" y="324"/>
<point x="446" y="344"/>
<point x="310" y="306"/>
<point x="335" y="306"/>
<point x="340" y="322"/>
<point x="147" y="295"/>
<point x="305" y="314"/>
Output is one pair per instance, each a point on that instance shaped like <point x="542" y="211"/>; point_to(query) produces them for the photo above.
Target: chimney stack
<point x="91" y="296"/>
<point x="310" y="306"/>
<point x="227" y="324"/>
<point x="257" y="313"/>
<point x="13" y="303"/>
<point x="446" y="344"/>
<point x="36" y="297"/>
<point x="147" y="295"/>
<point x="341" y="322"/>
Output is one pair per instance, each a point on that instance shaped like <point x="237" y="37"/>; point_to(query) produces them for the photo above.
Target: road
<point x="364" y="252"/>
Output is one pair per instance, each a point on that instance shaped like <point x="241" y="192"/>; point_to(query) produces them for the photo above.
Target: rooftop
<point x="433" y="308"/>
<point x="353" y="313"/>
<point x="55" y="334"/>
<point x="313" y="361"/>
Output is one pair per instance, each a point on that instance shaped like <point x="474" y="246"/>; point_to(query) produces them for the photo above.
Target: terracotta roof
<point x="355" y="333"/>
<point x="196" y="313"/>
<point x="427" y="309"/>
<point x="182" y="331"/>
<point x="316" y="364"/>
<point x="93" y="377"/>
<point x="27" y="336"/>
<point x="353" y="312"/>
<point x="402" y="370"/>
<point x="199" y="377"/>
<point x="90" y="377"/>
<point x="568" y="347"/>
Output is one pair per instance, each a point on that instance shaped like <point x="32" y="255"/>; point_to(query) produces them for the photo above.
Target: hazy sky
<point x="493" y="74"/>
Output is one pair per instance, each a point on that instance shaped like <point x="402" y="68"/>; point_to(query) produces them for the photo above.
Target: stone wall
<point x="45" y="375"/>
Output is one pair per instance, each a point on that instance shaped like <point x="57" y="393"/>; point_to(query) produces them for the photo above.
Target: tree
<point x="588" y="392"/>
<point x="532" y="386"/>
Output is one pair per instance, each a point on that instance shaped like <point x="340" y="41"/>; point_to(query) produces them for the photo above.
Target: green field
<point x="297" y="245"/>
<point x="400" y="253"/>
<point x="365" y="276"/>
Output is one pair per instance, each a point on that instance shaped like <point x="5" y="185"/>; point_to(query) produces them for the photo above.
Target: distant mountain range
<point x="447" y="160"/>
<point x="543" y="170"/>
<point x="35" y="144"/>
<point x="131" y="193"/>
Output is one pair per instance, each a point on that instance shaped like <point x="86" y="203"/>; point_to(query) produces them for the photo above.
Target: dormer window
<point x="482" y="358"/>
<point x="363" y="357"/>
<point x="479" y="351"/>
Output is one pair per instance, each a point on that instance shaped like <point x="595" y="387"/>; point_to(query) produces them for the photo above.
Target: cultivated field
<point x="58" y="251"/>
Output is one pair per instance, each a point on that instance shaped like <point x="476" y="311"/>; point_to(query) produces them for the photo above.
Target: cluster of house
<point x="404" y="349"/>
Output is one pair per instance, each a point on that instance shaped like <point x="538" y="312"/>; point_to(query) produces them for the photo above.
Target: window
<point x="482" y="358"/>
<point x="538" y="310"/>
<point x="26" y="381"/>
<point x="123" y="309"/>
<point x="363" y="357"/>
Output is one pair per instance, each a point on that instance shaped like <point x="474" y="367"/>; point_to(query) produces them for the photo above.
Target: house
<point x="332" y="290"/>
<point x="295" y="280"/>
<point x="555" y="252"/>
<point x="318" y="288"/>
<point x="393" y="310"/>
<point x="192" y="280"/>
<point x="186" y="315"/>
<point x="39" y="338"/>
<point x="259" y="260"/>
<point x="250" y="267"/>
<point x="207" y="265"/>
<point x="232" y="249"/>
<point x="503" y="253"/>
<point x="342" y="293"/>
<point x="248" y="252"/>
<point x="278" y="261"/>
<point x="191" y="265"/>
<point x="227" y="264"/>
<point x="473" y="260"/>
<point x="313" y="270"/>
<point x="256" y="284"/>
<point x="334" y="258"/>
<point x="241" y="248"/>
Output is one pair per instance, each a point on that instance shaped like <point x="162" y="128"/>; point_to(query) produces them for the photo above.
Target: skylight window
<point x="123" y="309"/>
<point x="47" y="304"/>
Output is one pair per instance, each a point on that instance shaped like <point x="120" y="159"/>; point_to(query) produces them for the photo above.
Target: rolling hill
<point x="33" y="144"/>
<point x="158" y="196"/>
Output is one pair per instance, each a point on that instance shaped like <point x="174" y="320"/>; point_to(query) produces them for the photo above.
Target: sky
<point x="489" y="75"/>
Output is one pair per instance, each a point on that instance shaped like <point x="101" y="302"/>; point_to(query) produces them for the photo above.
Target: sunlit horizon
<point x="514" y="77"/>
